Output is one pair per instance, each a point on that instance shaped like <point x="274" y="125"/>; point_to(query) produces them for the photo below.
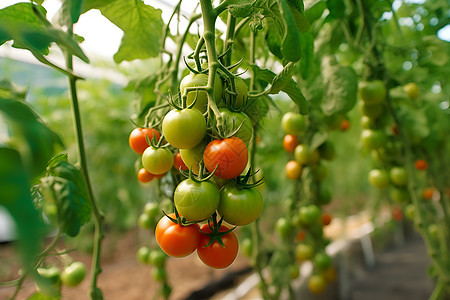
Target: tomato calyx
<point x="241" y="182"/>
<point x="200" y="178"/>
<point x="156" y="143"/>
<point x="216" y="234"/>
<point x="180" y="220"/>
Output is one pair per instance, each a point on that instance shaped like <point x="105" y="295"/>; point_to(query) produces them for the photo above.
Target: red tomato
<point x="395" y="129"/>
<point x="345" y="125"/>
<point x="421" y="164"/>
<point x="178" y="162"/>
<point x="326" y="219"/>
<point x="145" y="176"/>
<point x="290" y="141"/>
<point x="300" y="236"/>
<point x="397" y="214"/>
<point x="230" y="154"/>
<point x="137" y="139"/>
<point x="215" y="255"/>
<point x="177" y="240"/>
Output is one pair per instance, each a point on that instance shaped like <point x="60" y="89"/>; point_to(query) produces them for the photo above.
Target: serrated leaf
<point x="30" y="136"/>
<point x="290" y="45"/>
<point x="142" y="26"/>
<point x="341" y="84"/>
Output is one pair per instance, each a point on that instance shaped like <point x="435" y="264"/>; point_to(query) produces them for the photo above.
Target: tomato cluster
<point x="204" y="138"/>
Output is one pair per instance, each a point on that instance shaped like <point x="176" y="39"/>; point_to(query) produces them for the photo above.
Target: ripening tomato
<point x="157" y="160"/>
<point x="300" y="236"/>
<point x="232" y="121"/>
<point x="196" y="201"/>
<point x="372" y="92"/>
<point x="345" y="125"/>
<point x="317" y="284"/>
<point x="196" y="80"/>
<point x="240" y="206"/>
<point x="293" y="123"/>
<point x="421" y="164"/>
<point x="230" y="155"/>
<point x="138" y="141"/>
<point x="215" y="255"/>
<point x="397" y="214"/>
<point x="144" y="176"/>
<point x="379" y="178"/>
<point x="412" y="90"/>
<point x="184" y="128"/>
<point x="427" y="193"/>
<point x="177" y="240"/>
<point x="293" y="170"/>
<point x="395" y="130"/>
<point x="326" y="219"/>
<point x="178" y="162"/>
<point x="290" y="141"/>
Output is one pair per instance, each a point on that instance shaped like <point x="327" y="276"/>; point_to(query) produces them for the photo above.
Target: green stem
<point x="229" y="38"/>
<point x="95" y="292"/>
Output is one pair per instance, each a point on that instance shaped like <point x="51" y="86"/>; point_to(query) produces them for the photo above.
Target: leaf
<point x="290" y="45"/>
<point x="318" y="139"/>
<point x="336" y="8"/>
<point x="70" y="11"/>
<point x="16" y="198"/>
<point x="41" y="296"/>
<point x="142" y="26"/>
<point x="413" y="122"/>
<point x="300" y="20"/>
<point x="307" y="61"/>
<point x="64" y="186"/>
<point x="273" y="40"/>
<point x="341" y="85"/>
<point x="315" y="11"/>
<point x="30" y="136"/>
<point x="241" y="10"/>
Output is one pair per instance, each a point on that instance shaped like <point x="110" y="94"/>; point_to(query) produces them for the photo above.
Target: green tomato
<point x="371" y="111"/>
<point x="157" y="258"/>
<point x="324" y="195"/>
<point x="240" y="206"/>
<point x="367" y="123"/>
<point x="145" y="221"/>
<point x="241" y="97"/>
<point x="379" y="178"/>
<point x="158" y="274"/>
<point x="157" y="160"/>
<point x="293" y="123"/>
<point x="247" y="247"/>
<point x="400" y="195"/>
<point x="184" y="129"/>
<point x="49" y="282"/>
<point x="196" y="201"/>
<point x="412" y="90"/>
<point x="373" y="139"/>
<point x="142" y="255"/>
<point x="152" y="210"/>
<point x="283" y="227"/>
<point x="192" y="157"/>
<point x="73" y="274"/>
<point x="322" y="261"/>
<point x="304" y="252"/>
<point x="196" y="80"/>
<point x="304" y="156"/>
<point x="372" y="92"/>
<point x="309" y="214"/>
<point x="232" y="121"/>
<point x="398" y="176"/>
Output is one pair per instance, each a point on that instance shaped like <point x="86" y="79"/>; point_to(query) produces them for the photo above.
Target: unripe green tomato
<point x="372" y="92"/>
<point x="322" y="261"/>
<point x="142" y="254"/>
<point x="367" y="123"/>
<point x="49" y="282"/>
<point x="303" y="155"/>
<point x="373" y="139"/>
<point x="371" y="111"/>
<point x="410" y="211"/>
<point x="309" y="214"/>
<point x="145" y="221"/>
<point x="379" y="178"/>
<point x="152" y="210"/>
<point x="304" y="252"/>
<point x="157" y="258"/>
<point x="196" y="80"/>
<point x="294" y="271"/>
<point x="158" y="274"/>
<point x="183" y="129"/>
<point x="283" y="227"/>
<point x="398" y="176"/>
<point x="242" y="94"/>
<point x="293" y="123"/>
<point x="247" y="247"/>
<point x="400" y="195"/>
<point x="324" y="196"/>
<point x="157" y="160"/>
<point x="412" y="90"/>
<point x="73" y="274"/>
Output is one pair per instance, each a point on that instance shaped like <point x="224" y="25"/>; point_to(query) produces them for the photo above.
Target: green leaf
<point x="341" y="85"/>
<point x="64" y="187"/>
<point x="307" y="61"/>
<point x="29" y="135"/>
<point x="318" y="139"/>
<point x="241" y="10"/>
<point x="273" y="40"/>
<point x="413" y="122"/>
<point x="142" y="26"/>
<point x="314" y="12"/>
<point x="92" y="4"/>
<point x="300" y="20"/>
<point x="41" y="296"/>
<point x="70" y="11"/>
<point x="290" y="46"/>
<point x="16" y="198"/>
<point x="336" y="8"/>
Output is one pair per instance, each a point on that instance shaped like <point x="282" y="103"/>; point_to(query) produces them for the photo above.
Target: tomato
<point x="397" y="214"/>
<point x="427" y="193"/>
<point x="293" y="123"/>
<point x="317" y="284"/>
<point x="373" y="139"/>
<point x="73" y="274"/>
<point x="196" y="80"/>
<point x="293" y="170"/>
<point x="304" y="252"/>
<point x="215" y="255"/>
<point x="372" y="92"/>
<point x="309" y="214"/>
<point x="192" y="157"/>
<point x="324" y="196"/>
<point x="157" y="160"/>
<point x="412" y="90"/>
<point x="176" y="240"/>
<point x="142" y="254"/>
<point x="421" y="164"/>
<point x="300" y="236"/>
<point x="184" y="128"/>
<point x="178" y="162"/>
<point x="371" y="111"/>
<point x="283" y="227"/>
<point x="327" y="151"/>
<point x="159" y="274"/>
<point x="240" y="206"/>
<point x="144" y="176"/>
<point x="230" y="155"/>
<point x="330" y="274"/>
<point x="152" y="209"/>
<point x="290" y="141"/>
<point x="304" y="156"/>
<point x="49" y="282"/>
<point x="294" y="271"/>
<point x="322" y="260"/>
<point x="138" y="141"/>
<point x="345" y="125"/>
<point x="242" y="94"/>
<point x="379" y="178"/>
<point x="410" y="211"/>
<point x="247" y="247"/>
<point x="367" y="123"/>
<point x="232" y="121"/>
<point x="398" y="176"/>
<point x="326" y="219"/>
<point x="400" y="195"/>
<point x="157" y="258"/>
<point x="196" y="201"/>
<point x="145" y="221"/>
